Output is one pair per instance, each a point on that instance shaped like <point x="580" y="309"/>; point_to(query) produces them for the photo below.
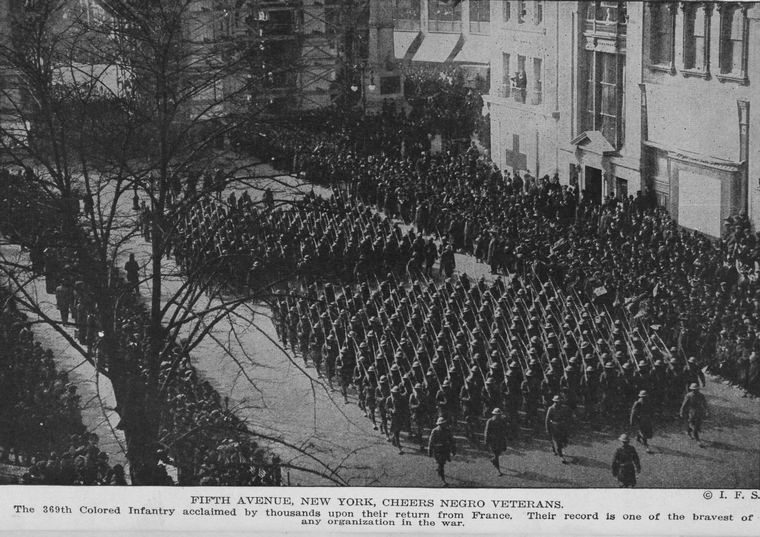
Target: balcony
<point x="452" y="27"/>
<point x="480" y="27"/>
<point x="519" y="95"/>
<point x="604" y="28"/>
<point x="407" y="25"/>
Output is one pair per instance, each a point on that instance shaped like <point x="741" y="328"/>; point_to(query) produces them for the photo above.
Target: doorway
<point x="593" y="184"/>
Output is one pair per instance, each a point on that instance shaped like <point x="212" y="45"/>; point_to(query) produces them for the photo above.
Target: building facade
<point x="441" y="32"/>
<point x="622" y="96"/>
<point x="700" y="75"/>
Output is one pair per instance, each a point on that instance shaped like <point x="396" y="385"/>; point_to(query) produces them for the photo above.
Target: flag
<point x="599" y="291"/>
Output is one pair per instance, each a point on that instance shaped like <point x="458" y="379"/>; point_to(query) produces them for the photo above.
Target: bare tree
<point x="128" y="98"/>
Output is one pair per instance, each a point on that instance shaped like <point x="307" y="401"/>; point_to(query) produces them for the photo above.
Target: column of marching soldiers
<point x="420" y="353"/>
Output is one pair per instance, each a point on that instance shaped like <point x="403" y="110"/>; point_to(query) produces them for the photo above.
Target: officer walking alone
<point x="496" y="436"/>
<point x="625" y="463"/>
<point x="694" y="409"/>
<point x="441" y="447"/>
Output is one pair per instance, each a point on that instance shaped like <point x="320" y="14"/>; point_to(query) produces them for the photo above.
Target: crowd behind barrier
<point x="200" y="436"/>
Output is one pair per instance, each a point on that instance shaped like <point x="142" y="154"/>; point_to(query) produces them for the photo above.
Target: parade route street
<point x="279" y="397"/>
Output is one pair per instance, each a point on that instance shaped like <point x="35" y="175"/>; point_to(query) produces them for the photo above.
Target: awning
<point x="476" y="50"/>
<point x="405" y="44"/>
<point x="593" y="141"/>
<point x="437" y="48"/>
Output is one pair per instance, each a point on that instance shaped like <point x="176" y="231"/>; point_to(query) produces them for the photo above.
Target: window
<point x="407" y="15"/>
<point x="733" y="40"/>
<point x="522" y="11"/>
<point x="506" y="10"/>
<point x="444" y="16"/>
<point x="696" y="31"/>
<point x="537" y="86"/>
<point x="520" y="81"/>
<point x="603" y="95"/>
<point x="407" y="9"/>
<point x="480" y="16"/>
<point x="505" y="62"/>
<point x="661" y="31"/>
<point x="538" y="12"/>
<point x="605" y="17"/>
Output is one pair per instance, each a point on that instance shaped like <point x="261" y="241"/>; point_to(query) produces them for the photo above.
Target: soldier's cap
<point x="370" y="369"/>
<point x="643" y="393"/>
<point x="627" y="365"/>
<point x="556" y="399"/>
<point x="624" y="438"/>
<point x="589" y="368"/>
<point x="692" y="360"/>
<point x="394" y="367"/>
<point x="642" y="363"/>
<point x="693" y="386"/>
<point x="609" y="365"/>
<point x="658" y="363"/>
<point x="496" y="411"/>
<point x="394" y="389"/>
<point x="571" y="367"/>
<point x="510" y="372"/>
<point x="440" y="421"/>
<point x="474" y="369"/>
<point x="618" y="354"/>
<point x="529" y="373"/>
<point x="363" y="345"/>
<point x="446" y="383"/>
<point x="490" y="380"/>
<point x="574" y="360"/>
<point x="418" y="386"/>
<point x="383" y="378"/>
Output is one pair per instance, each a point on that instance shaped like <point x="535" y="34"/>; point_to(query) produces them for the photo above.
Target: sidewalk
<point x="95" y="390"/>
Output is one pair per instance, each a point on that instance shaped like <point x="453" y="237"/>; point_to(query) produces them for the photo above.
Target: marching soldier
<point x="641" y="417"/>
<point x="394" y="408"/>
<point x="557" y="426"/>
<point x="625" y="463"/>
<point x="531" y="392"/>
<point x="694" y="409"/>
<point x="418" y="410"/>
<point x="495" y="435"/>
<point x="441" y="447"/>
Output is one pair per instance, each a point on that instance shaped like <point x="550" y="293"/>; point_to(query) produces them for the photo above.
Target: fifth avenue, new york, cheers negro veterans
<point x="465" y="244"/>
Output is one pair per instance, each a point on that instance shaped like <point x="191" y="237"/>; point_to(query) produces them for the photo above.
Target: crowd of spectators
<point x="41" y="425"/>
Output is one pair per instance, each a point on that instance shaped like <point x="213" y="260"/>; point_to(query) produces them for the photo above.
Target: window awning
<point x="438" y="48"/>
<point x="405" y="44"/>
<point x="475" y="51"/>
<point x="593" y="141"/>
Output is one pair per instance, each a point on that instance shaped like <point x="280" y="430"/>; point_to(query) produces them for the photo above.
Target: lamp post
<point x="362" y="69"/>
